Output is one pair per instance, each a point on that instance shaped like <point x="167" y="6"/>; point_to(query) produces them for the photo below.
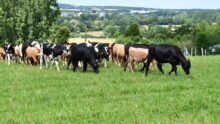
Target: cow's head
<point x="186" y="67"/>
<point x="102" y="50"/>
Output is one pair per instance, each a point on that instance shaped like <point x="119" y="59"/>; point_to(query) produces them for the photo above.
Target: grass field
<point x="28" y="95"/>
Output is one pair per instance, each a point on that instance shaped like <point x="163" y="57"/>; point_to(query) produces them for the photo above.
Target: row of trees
<point x="202" y="35"/>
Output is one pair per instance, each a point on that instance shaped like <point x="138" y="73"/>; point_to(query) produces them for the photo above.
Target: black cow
<point x="9" y="50"/>
<point x="86" y="54"/>
<point x="127" y="46"/>
<point x="168" y="54"/>
<point x="53" y="51"/>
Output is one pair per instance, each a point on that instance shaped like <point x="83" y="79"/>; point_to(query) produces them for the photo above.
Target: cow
<point x="17" y="53"/>
<point x="135" y="55"/>
<point x="118" y="53"/>
<point x="168" y="54"/>
<point x="9" y="50"/>
<point x="66" y="56"/>
<point x="127" y="46"/>
<point x="33" y="55"/>
<point x="2" y="53"/>
<point x="53" y="51"/>
<point x="86" y="54"/>
<point x="25" y="45"/>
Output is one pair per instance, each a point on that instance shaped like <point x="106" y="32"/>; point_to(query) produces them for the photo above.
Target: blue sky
<point x="169" y="4"/>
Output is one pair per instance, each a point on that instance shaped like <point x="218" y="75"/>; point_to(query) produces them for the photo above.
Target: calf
<point x="86" y="54"/>
<point x="33" y="55"/>
<point x="2" y="53"/>
<point x="9" y="50"/>
<point x="168" y="54"/>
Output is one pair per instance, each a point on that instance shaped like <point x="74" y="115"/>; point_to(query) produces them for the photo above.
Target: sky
<point x="166" y="4"/>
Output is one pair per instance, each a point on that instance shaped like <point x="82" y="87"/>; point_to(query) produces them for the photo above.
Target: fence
<point x="200" y="52"/>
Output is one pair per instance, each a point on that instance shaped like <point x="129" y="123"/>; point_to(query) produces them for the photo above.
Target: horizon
<point x="169" y="4"/>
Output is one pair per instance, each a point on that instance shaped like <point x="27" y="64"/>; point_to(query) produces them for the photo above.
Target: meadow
<point x="28" y="95"/>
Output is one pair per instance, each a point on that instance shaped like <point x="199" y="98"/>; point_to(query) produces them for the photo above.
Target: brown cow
<point x="2" y="53"/>
<point x="117" y="52"/>
<point x="33" y="55"/>
<point x="17" y="53"/>
<point x="138" y="55"/>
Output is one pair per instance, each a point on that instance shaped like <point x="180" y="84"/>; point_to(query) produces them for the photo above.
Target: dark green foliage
<point x="63" y="35"/>
<point x="133" y="30"/>
<point x="27" y="20"/>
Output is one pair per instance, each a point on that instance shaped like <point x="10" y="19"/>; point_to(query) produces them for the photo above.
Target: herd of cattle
<point x="93" y="53"/>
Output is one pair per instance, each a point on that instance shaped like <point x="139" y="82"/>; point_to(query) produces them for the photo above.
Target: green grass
<point x="28" y="95"/>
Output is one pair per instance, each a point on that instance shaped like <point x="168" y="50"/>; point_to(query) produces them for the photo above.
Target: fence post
<point x="202" y="51"/>
<point x="191" y="51"/>
<point x="205" y="52"/>
<point x="195" y="51"/>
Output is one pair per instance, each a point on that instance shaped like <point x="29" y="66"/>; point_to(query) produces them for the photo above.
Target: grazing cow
<point x="9" y="50"/>
<point x="118" y="53"/>
<point x="33" y="55"/>
<point x="88" y="55"/>
<point x="135" y="55"/>
<point x="168" y="54"/>
<point x="2" y="53"/>
<point x="53" y="51"/>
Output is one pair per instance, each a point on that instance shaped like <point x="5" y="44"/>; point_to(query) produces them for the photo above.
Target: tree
<point x="63" y="35"/>
<point x="28" y="20"/>
<point x="110" y="31"/>
<point x="133" y="30"/>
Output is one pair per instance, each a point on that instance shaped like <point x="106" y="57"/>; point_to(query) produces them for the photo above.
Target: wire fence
<point x="200" y="52"/>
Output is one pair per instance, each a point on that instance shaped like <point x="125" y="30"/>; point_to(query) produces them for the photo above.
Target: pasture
<point x="28" y="95"/>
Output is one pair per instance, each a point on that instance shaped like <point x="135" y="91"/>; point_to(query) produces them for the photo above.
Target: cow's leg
<point x="46" y="59"/>
<point x="79" y="64"/>
<point x="126" y="64"/>
<point x="9" y="59"/>
<point x="74" y="65"/>
<point x="41" y="61"/>
<point x="84" y="66"/>
<point x="159" y="65"/>
<point x="147" y="65"/>
<point x="57" y="64"/>
<point x="105" y="63"/>
<point x="174" y="69"/>
<point x="68" y="64"/>
<point x="52" y="63"/>
<point x="144" y="65"/>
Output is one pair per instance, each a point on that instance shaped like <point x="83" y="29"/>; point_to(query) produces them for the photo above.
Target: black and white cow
<point x="102" y="51"/>
<point x="53" y="51"/>
<point x="9" y="50"/>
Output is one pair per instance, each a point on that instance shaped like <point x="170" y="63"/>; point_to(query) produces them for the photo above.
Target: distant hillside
<point x="66" y="6"/>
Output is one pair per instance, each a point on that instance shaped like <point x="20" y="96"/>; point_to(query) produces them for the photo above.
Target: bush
<point x="63" y="35"/>
<point x="133" y="30"/>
